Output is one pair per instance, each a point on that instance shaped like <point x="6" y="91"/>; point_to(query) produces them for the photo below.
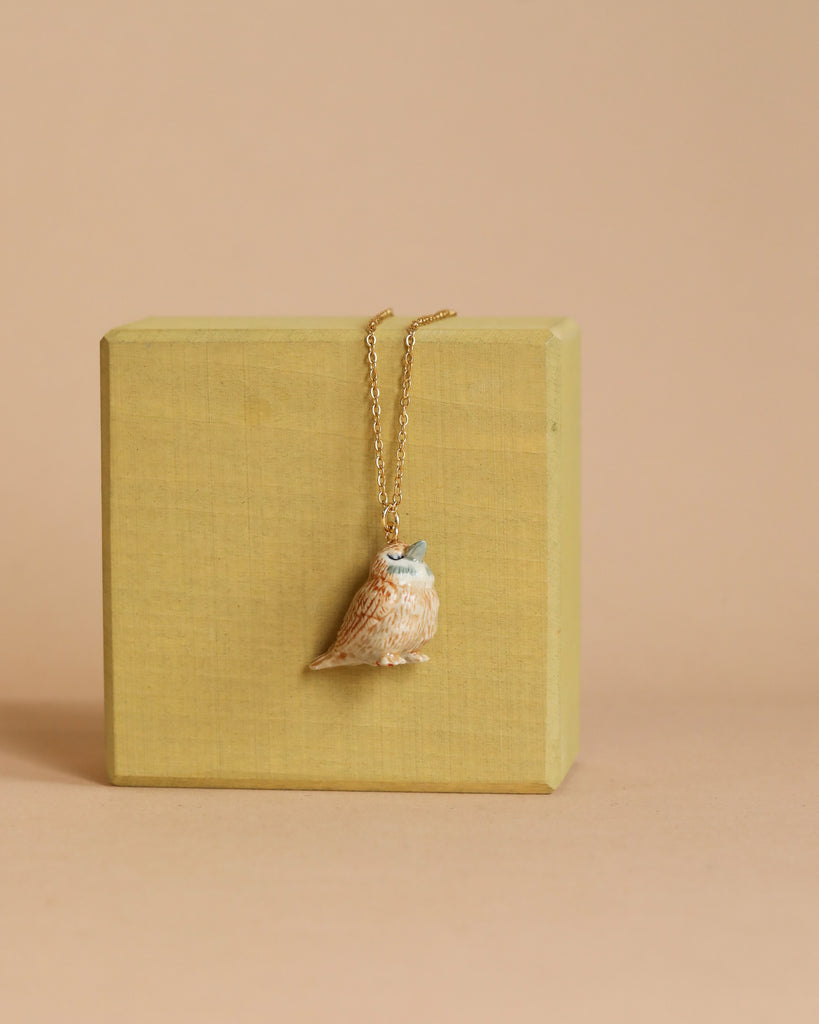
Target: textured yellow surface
<point x="240" y="515"/>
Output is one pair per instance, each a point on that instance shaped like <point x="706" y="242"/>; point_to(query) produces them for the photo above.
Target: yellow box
<point x="240" y="514"/>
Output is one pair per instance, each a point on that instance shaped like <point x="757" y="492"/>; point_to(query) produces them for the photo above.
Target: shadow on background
<point x="52" y="739"/>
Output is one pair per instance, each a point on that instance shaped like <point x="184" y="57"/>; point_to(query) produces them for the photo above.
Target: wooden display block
<point x="240" y="515"/>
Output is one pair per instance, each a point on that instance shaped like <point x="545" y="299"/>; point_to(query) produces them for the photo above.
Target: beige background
<point x="648" y="168"/>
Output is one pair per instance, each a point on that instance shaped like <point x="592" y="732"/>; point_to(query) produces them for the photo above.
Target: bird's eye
<point x="395" y="558"/>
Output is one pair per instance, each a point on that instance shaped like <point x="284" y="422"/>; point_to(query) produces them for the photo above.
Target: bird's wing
<point x="372" y="603"/>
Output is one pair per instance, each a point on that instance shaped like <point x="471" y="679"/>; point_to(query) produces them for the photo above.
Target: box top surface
<point x="457" y="324"/>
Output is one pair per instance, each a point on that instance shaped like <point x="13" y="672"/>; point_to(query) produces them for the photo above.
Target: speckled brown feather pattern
<point x="368" y="612"/>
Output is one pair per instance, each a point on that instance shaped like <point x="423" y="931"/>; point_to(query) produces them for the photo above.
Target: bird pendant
<point x="391" y="616"/>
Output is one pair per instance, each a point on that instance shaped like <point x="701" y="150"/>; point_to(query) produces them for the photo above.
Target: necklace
<point x="395" y="612"/>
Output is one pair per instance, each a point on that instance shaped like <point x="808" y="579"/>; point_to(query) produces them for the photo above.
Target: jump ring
<point x="390" y="524"/>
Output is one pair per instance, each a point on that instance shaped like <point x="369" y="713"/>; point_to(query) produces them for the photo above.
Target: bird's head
<point x="403" y="564"/>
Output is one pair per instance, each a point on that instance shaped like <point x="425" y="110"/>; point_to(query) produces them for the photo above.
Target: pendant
<point x="391" y="616"/>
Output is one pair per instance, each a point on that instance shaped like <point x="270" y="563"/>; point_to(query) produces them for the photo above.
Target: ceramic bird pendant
<point x="391" y="616"/>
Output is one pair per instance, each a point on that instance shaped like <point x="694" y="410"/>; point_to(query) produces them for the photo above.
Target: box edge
<point x="563" y="528"/>
<point x="105" y="496"/>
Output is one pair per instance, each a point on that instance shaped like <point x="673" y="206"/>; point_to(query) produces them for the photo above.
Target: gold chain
<point x="389" y="505"/>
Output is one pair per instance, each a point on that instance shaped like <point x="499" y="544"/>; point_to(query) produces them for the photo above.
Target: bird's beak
<point x="416" y="551"/>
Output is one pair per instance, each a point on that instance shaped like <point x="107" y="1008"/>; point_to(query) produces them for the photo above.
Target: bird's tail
<point x="330" y="659"/>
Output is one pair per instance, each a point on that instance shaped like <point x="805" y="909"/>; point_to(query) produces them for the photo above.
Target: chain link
<point x="389" y="505"/>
